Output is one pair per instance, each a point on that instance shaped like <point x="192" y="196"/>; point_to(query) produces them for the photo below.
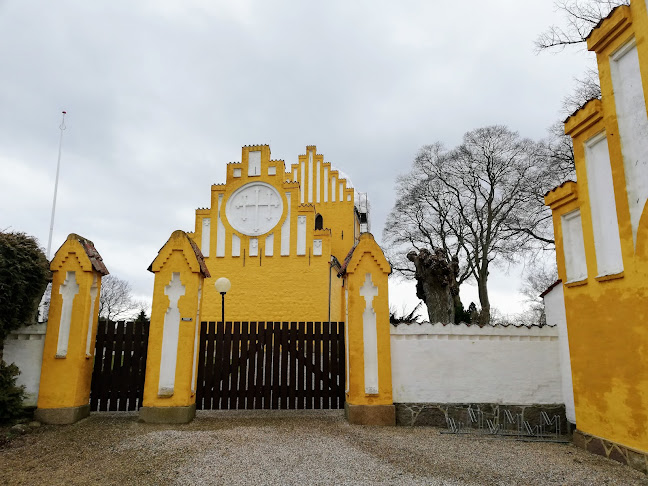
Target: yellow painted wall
<point x="607" y="317"/>
<point x="368" y="258"/>
<point x="65" y="382"/>
<point x="278" y="288"/>
<point x="176" y="256"/>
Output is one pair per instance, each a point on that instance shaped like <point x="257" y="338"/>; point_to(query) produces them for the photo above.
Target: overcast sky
<point x="162" y="94"/>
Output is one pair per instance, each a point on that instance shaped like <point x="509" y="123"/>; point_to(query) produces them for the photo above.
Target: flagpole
<point x="58" y="169"/>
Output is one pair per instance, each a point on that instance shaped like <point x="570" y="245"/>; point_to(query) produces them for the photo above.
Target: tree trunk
<point x="484" y="315"/>
<point x="433" y="284"/>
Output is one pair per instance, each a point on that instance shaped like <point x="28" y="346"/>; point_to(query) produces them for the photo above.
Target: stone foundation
<point x="370" y="414"/>
<point x="61" y="416"/>
<point x="633" y="458"/>
<point x="435" y="414"/>
<point x="167" y="415"/>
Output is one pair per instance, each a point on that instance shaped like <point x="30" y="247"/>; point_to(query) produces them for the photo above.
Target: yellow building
<point x="601" y="229"/>
<point x="295" y="248"/>
<point x="277" y="233"/>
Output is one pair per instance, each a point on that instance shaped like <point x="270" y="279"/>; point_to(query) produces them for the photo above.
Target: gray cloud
<point x="161" y="95"/>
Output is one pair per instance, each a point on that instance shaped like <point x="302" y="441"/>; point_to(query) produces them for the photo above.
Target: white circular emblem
<point x="254" y="209"/>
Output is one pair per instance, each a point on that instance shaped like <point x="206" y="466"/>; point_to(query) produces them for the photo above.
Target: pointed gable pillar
<point x="66" y="370"/>
<point x="169" y="387"/>
<point x="369" y="384"/>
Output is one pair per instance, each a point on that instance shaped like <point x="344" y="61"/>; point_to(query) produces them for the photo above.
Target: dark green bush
<point x="11" y="395"/>
<point x="24" y="273"/>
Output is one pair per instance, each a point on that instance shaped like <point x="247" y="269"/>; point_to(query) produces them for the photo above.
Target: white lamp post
<point x="223" y="285"/>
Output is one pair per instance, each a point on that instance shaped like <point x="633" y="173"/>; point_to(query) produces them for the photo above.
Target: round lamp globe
<point x="223" y="285"/>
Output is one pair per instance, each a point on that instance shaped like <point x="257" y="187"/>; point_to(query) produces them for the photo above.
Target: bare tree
<point x="116" y="300"/>
<point x="586" y="88"/>
<point x="479" y="201"/>
<point x="579" y="18"/>
<point x="537" y="278"/>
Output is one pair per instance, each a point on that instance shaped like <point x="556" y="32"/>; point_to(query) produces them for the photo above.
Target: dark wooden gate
<point x="119" y="366"/>
<point x="271" y="365"/>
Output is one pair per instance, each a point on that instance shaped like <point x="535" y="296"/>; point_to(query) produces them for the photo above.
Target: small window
<point x="319" y="222"/>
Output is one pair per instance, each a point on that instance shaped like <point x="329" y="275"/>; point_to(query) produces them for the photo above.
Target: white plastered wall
<point x="24" y="348"/>
<point x="554" y="301"/>
<point x="603" y="206"/>
<point x="432" y="363"/>
<point x="633" y="126"/>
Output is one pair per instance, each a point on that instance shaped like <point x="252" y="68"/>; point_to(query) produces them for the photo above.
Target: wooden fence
<point x="271" y="365"/>
<point x="119" y="366"/>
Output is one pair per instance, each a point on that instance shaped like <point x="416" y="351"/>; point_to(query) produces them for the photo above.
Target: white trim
<point x="269" y="245"/>
<point x="220" y="230"/>
<point x="301" y="235"/>
<point x="206" y="234"/>
<point x="93" y="301"/>
<point x="326" y="184"/>
<point x="285" y="230"/>
<point x="302" y="183"/>
<point x="236" y="245"/>
<point x="319" y="189"/>
<point x="310" y="176"/>
<point x="623" y="50"/>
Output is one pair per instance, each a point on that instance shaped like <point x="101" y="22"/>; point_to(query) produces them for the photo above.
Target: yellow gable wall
<point x="284" y="288"/>
<point x="607" y="315"/>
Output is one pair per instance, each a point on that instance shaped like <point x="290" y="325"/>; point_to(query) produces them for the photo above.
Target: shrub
<point x="11" y="396"/>
<point x="24" y="273"/>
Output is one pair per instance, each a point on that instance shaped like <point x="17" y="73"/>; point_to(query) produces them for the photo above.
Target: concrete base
<point x="167" y="415"/>
<point x="61" y="416"/>
<point x="370" y="414"/>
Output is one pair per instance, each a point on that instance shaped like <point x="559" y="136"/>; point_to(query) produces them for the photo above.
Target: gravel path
<point x="289" y="447"/>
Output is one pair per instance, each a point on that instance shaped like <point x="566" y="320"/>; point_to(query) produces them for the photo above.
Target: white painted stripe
<point x="269" y="245"/>
<point x="574" y="246"/>
<point x="301" y="235"/>
<point x="285" y="230"/>
<point x="68" y="290"/>
<point x="370" y="337"/>
<point x="220" y="230"/>
<point x="93" y="301"/>
<point x="295" y="179"/>
<point x="206" y="233"/>
<point x="319" y="189"/>
<point x="326" y="184"/>
<point x="303" y="181"/>
<point x="310" y="176"/>
<point x="341" y="191"/>
<point x="196" y="329"/>
<point x="346" y="328"/>
<point x="170" y="337"/>
<point x="607" y="242"/>
<point x="333" y="189"/>
<point x="633" y="126"/>
<point x="236" y="245"/>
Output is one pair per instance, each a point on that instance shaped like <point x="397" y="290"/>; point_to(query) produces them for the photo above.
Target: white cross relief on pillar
<point x="69" y="288"/>
<point x="93" y="299"/>
<point x="370" y="337"/>
<point x="170" y="335"/>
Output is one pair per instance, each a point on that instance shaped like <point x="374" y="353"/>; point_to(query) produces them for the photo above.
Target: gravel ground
<point x="289" y="447"/>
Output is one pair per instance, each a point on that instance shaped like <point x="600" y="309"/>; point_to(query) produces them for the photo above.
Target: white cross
<point x="368" y="291"/>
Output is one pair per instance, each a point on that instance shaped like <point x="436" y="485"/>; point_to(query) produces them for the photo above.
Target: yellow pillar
<point x="66" y="372"/>
<point x="169" y="387"/>
<point x="369" y="382"/>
